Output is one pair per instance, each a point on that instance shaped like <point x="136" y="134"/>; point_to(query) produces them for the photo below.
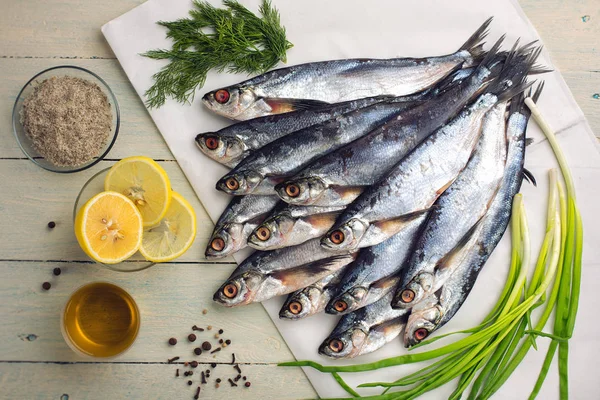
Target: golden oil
<point x="100" y="320"/>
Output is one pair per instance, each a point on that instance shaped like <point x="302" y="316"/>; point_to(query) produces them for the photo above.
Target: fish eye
<point x="295" y="307"/>
<point x="263" y="233"/>
<point x="230" y="290"/>
<point x="292" y="190"/>
<point x="340" y="306"/>
<point x="421" y="334"/>
<point x="407" y="296"/>
<point x="211" y="142"/>
<point x="217" y="244"/>
<point x="336" y="345"/>
<point x="222" y="96"/>
<point x="337" y="237"/>
<point x="232" y="183"/>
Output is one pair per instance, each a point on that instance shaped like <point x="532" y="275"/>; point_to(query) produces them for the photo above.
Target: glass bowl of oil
<point x="100" y="320"/>
<point x="91" y="188"/>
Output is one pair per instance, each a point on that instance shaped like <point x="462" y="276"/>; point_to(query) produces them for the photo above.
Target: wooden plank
<point x="137" y="135"/>
<point x="171" y="299"/>
<point x="585" y="87"/>
<point x="123" y="381"/>
<point x="66" y="28"/>
<point x="31" y="197"/>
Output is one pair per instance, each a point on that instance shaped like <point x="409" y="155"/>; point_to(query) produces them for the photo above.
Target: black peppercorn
<point x="197" y="351"/>
<point x="247" y="384"/>
<point x="51" y="224"/>
<point x="192" y="337"/>
<point x="206" y="346"/>
<point x="172" y="341"/>
<point x="56" y="271"/>
<point x="46" y="285"/>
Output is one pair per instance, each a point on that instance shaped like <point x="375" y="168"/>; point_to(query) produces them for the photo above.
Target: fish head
<point x="225" y="241"/>
<point x="223" y="149"/>
<point x="347" y="344"/>
<point x="303" y="191"/>
<point x="421" y="324"/>
<point x="239" y="183"/>
<point x="415" y="291"/>
<point x="230" y="102"/>
<point x="272" y="233"/>
<point x="347" y="302"/>
<point x="239" y="290"/>
<point x="299" y="304"/>
<point x="346" y="236"/>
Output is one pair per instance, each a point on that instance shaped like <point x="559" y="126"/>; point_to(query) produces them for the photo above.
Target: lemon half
<point x="109" y="228"/>
<point x="174" y="235"/>
<point x="145" y="183"/>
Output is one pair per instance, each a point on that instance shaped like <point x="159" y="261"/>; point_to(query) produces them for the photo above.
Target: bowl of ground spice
<point x="66" y="119"/>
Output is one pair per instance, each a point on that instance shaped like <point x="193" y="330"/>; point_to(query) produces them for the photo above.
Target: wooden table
<point x="34" y="360"/>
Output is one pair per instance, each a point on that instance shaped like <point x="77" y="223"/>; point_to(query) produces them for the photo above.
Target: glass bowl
<point x="91" y="188"/>
<point x="25" y="142"/>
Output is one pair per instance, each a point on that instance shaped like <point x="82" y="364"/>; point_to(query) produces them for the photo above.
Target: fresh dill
<point x="231" y="39"/>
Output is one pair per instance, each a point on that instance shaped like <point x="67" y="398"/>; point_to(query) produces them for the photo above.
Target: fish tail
<point x="494" y="57"/>
<point x="517" y="105"/>
<point x="474" y="43"/>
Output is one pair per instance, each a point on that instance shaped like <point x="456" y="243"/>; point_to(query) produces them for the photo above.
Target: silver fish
<point x="312" y="299"/>
<point x="310" y="85"/>
<point x="267" y="166"/>
<point x="266" y="274"/>
<point x="432" y="313"/>
<point x="413" y="185"/>
<point x="456" y="212"/>
<point x="374" y="274"/>
<point x="293" y="225"/>
<point x="232" y="144"/>
<point x="236" y="223"/>
<point x="340" y="177"/>
<point x="365" y="330"/>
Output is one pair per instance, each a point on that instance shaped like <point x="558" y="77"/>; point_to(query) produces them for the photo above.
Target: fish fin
<point x="473" y="44"/>
<point x="450" y="80"/>
<point x="529" y="141"/>
<point x="538" y="91"/>
<point x="322" y="221"/>
<point x="457" y="252"/>
<point x="316" y="270"/>
<point x="347" y="193"/>
<point x="387" y="282"/>
<point x="394" y="225"/>
<point x="391" y="325"/>
<point x="446" y="186"/>
<point x="493" y="55"/>
<point x="286" y="105"/>
<point x="528" y="176"/>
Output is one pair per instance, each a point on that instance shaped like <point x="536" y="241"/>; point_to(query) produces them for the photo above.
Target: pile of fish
<point x="373" y="189"/>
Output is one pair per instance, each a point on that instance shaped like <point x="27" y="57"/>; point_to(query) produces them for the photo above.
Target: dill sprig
<point x="231" y="39"/>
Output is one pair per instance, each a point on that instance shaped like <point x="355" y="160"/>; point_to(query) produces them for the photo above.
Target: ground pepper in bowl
<point x="68" y="120"/>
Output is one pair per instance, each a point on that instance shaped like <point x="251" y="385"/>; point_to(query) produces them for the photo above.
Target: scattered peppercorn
<point x="172" y="341"/>
<point x="206" y="346"/>
<point x="186" y="373"/>
<point x="56" y="271"/>
<point x="185" y="364"/>
<point x="197" y="351"/>
<point x="215" y="350"/>
<point x="224" y="345"/>
<point x="232" y="382"/>
<point x="217" y="385"/>
<point x="51" y="224"/>
<point x="228" y="342"/>
<point x="237" y="378"/>
<point x="218" y="380"/>
<point x="208" y="371"/>
<point x="194" y="364"/>
<point x="170" y="360"/>
<point x="209" y="327"/>
<point x="205" y="311"/>
<point x="221" y="331"/>
<point x="243" y="377"/>
<point x="46" y="285"/>
<point x="213" y="365"/>
<point x="192" y="337"/>
<point x="216" y="335"/>
<point x="221" y="341"/>
<point x="189" y="383"/>
<point x="247" y="384"/>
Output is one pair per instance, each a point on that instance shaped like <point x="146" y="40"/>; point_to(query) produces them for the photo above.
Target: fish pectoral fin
<point x="386" y="282"/>
<point x="311" y="272"/>
<point x="390" y="325"/>
<point x="395" y="225"/>
<point x="347" y="193"/>
<point x="454" y="256"/>
<point x="528" y="176"/>
<point x="286" y="105"/>
<point x="529" y="141"/>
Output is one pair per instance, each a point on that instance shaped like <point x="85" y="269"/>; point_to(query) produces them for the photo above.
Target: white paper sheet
<point x="333" y="29"/>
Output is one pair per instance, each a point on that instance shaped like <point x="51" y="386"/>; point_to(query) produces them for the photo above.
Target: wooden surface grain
<point x="34" y="360"/>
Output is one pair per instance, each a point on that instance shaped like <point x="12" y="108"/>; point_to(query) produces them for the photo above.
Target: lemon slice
<point x="143" y="181"/>
<point x="109" y="228"/>
<point x="174" y="235"/>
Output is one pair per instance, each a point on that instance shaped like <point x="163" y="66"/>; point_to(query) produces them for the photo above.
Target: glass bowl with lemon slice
<point x="128" y="218"/>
